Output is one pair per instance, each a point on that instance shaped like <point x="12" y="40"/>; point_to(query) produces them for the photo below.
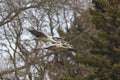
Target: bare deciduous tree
<point x="21" y="58"/>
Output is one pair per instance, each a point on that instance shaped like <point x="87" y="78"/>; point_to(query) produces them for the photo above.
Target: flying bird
<point x="58" y="42"/>
<point x="41" y="36"/>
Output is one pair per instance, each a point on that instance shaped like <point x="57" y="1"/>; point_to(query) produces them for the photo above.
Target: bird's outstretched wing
<point x="37" y="33"/>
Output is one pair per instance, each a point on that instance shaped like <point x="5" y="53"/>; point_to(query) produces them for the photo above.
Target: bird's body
<point x="53" y="46"/>
<point x="59" y="46"/>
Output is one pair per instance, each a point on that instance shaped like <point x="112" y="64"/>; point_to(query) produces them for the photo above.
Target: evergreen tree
<point x="105" y="47"/>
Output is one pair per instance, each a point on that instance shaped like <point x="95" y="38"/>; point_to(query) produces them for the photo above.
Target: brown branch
<point x="16" y="12"/>
<point x="10" y="17"/>
<point x="20" y="68"/>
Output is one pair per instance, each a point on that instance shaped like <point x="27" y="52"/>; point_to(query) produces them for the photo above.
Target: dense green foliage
<point x="106" y="46"/>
